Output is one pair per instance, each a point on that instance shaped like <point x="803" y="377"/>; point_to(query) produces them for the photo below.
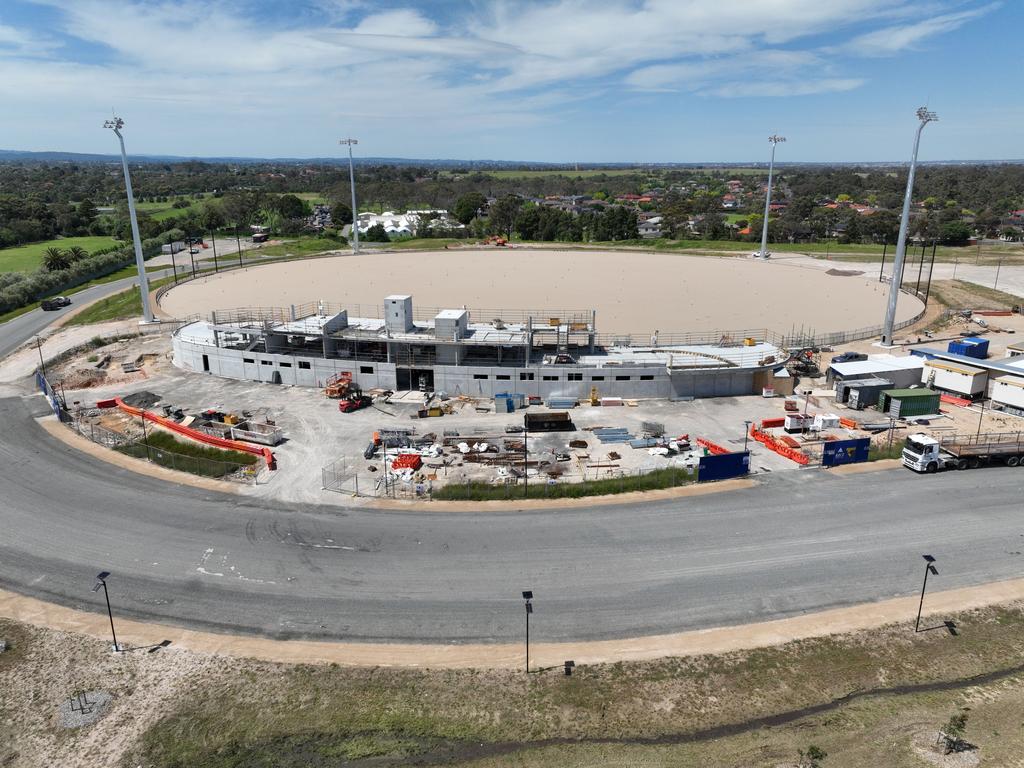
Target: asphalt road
<point x="17" y="331"/>
<point x="799" y="543"/>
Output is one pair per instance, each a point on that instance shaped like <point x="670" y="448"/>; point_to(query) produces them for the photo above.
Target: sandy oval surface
<point x="633" y="292"/>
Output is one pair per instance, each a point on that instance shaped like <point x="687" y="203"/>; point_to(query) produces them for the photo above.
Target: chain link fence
<point x="139" y="447"/>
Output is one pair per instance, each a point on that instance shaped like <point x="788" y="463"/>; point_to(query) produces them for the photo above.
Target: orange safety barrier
<point x="769" y="423"/>
<point x="201" y="437"/>
<point x="714" y="448"/>
<point x="848" y="423"/>
<point x="772" y="444"/>
<point x="954" y="400"/>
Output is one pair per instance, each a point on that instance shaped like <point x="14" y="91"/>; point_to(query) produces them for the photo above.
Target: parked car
<point x="849" y="357"/>
<point x="57" y="302"/>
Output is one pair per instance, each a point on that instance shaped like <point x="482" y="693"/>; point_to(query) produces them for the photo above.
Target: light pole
<point x="116" y="124"/>
<point x="528" y="597"/>
<point x="928" y="568"/>
<point x="101" y="581"/>
<point x="773" y="139"/>
<point x="352" y="186"/>
<point x="39" y="349"/>
<point x="925" y="117"/>
<point x="526" y="457"/>
<point x="746" y="433"/>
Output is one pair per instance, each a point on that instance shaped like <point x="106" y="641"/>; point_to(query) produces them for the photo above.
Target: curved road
<point x="795" y="543"/>
<point x="798" y="542"/>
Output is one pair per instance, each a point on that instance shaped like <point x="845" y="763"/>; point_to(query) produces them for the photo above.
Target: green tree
<point x="291" y="207"/>
<point x="469" y="206"/>
<point x="955" y="233"/>
<point x="211" y="218"/>
<point x="87" y="211"/>
<point x="77" y="253"/>
<point x="341" y="214"/>
<point x="504" y="213"/>
<point x="376" y="234"/>
<point x="55" y="259"/>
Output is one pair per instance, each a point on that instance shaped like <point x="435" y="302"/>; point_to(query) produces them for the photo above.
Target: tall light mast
<point x="924" y="117"/>
<point x="352" y="185"/>
<point x="768" y="198"/>
<point x="116" y="124"/>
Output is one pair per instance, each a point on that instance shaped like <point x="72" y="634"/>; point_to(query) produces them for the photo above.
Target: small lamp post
<point x="928" y="568"/>
<point x="746" y="433"/>
<point x="101" y="581"/>
<point x="528" y="597"/>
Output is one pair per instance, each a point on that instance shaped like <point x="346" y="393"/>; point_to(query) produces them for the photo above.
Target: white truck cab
<point x="922" y="453"/>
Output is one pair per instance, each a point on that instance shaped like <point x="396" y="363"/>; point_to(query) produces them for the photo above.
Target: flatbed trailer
<point x="925" y="453"/>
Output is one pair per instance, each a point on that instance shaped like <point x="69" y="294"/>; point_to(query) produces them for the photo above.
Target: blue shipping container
<point x="969" y="347"/>
<point x="723" y="466"/>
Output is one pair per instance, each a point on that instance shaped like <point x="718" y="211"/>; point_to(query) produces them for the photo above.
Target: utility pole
<point x="924" y="117"/>
<point x="116" y="124"/>
<point x="39" y="349"/>
<point x="773" y="139"/>
<point x="352" y="186"/>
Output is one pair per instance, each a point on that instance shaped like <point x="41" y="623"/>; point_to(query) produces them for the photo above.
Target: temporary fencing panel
<point x="845" y="452"/>
<point x="723" y="465"/>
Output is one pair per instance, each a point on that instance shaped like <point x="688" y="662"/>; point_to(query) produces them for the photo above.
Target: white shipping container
<point x="959" y="379"/>
<point x="1008" y="390"/>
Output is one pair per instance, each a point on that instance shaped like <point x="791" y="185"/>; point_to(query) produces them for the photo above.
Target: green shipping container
<point x="907" y="403"/>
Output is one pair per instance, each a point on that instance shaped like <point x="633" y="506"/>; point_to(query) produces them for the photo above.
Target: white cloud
<point x="894" y="39"/>
<point x="502" y="63"/>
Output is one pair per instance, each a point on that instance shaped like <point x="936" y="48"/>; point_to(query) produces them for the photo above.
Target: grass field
<point x="661" y="478"/>
<point x="871" y="698"/>
<point x="204" y="460"/>
<point x="25" y="258"/>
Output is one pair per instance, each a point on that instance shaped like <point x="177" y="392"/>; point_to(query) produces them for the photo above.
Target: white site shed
<point x="903" y="371"/>
<point x="1008" y="391"/>
<point x="955" y="377"/>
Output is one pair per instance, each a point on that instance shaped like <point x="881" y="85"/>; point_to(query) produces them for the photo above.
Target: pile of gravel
<point x="84" y="709"/>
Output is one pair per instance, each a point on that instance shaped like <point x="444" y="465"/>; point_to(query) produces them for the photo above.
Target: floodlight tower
<point x="773" y="140"/>
<point x="352" y="185"/>
<point x="924" y="117"/>
<point x="116" y="124"/>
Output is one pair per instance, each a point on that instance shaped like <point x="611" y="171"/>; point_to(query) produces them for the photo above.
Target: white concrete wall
<point x="475" y="381"/>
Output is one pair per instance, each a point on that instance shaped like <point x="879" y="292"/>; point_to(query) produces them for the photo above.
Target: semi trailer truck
<point x="924" y="453"/>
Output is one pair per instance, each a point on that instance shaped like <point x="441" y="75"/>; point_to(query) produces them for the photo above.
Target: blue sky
<point x="563" y="80"/>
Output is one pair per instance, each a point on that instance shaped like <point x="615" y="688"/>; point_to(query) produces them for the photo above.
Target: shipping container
<point x="907" y="403"/>
<point x="844" y="389"/>
<point x="970" y="346"/>
<point x="960" y="379"/>
<point x="865" y="392"/>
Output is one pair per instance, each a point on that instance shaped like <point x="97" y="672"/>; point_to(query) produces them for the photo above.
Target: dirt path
<point x="509" y="656"/>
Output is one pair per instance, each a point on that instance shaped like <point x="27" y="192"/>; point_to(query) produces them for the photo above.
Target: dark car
<point x="57" y="302"/>
<point x="849" y="357"/>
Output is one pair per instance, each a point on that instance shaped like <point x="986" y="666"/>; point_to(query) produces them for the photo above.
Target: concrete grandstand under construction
<point x="479" y="353"/>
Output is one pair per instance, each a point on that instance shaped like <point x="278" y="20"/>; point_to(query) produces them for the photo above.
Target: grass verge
<point x="540" y="489"/>
<point x="119" y="306"/>
<point x="879" y="451"/>
<point x="862" y="697"/>
<point x="206" y="461"/>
